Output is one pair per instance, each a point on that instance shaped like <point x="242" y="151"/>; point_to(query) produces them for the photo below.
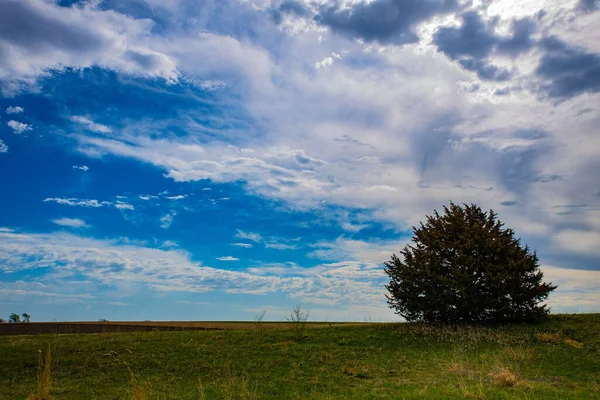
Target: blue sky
<point x="208" y="159"/>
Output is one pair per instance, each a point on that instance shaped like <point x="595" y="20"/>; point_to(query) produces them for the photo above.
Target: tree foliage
<point x="464" y="266"/>
<point x="14" y="318"/>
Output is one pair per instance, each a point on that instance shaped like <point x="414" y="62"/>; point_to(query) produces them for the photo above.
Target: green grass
<point x="559" y="359"/>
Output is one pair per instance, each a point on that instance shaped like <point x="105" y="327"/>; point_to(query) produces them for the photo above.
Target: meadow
<point x="557" y="359"/>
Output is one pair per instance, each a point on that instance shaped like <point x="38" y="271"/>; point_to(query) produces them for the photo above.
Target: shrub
<point x="298" y="318"/>
<point x="464" y="266"/>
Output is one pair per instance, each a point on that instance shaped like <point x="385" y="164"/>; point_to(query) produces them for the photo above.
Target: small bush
<point x="298" y="318"/>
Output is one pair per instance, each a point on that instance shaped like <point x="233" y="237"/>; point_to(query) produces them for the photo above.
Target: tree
<point x="14" y="318"/>
<point x="26" y="317"/>
<point x="2" y="320"/>
<point x="464" y="266"/>
<point x="298" y="318"/>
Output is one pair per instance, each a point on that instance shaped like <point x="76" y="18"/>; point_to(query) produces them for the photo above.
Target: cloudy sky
<point x="184" y="159"/>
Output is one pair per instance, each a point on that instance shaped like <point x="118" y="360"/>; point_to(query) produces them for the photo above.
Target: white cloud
<point x="280" y="246"/>
<point x="81" y="167"/>
<point x="91" y="125"/>
<point x="245" y="245"/>
<point x="343" y="284"/>
<point x="121" y="205"/>
<point x="71" y="222"/>
<point x="575" y="241"/>
<point x="178" y="197"/>
<point x="41" y="36"/>
<point x="3" y="147"/>
<point x="166" y="220"/>
<point x="227" y="258"/>
<point x="18" y="127"/>
<point x="91" y="203"/>
<point x="254" y="237"/>
<point x="201" y="303"/>
<point x="77" y="202"/>
<point x="14" y="110"/>
<point x="147" y="197"/>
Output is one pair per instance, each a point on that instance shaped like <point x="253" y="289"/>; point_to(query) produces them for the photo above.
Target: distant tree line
<point x="16" y="318"/>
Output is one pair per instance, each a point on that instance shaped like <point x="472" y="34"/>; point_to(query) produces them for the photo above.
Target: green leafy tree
<point x="464" y="266"/>
<point x="14" y="318"/>
<point x="26" y="317"/>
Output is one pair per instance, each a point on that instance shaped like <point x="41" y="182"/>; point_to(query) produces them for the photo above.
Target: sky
<point x="205" y="160"/>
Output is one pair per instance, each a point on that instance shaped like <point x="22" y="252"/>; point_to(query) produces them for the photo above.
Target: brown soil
<point x="34" y="328"/>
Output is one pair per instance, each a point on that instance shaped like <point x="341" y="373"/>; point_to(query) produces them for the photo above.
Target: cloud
<point x="121" y="205"/>
<point x="288" y="7"/>
<point x="588" y="5"/>
<point x="37" y="36"/>
<point x="474" y="41"/>
<point x="280" y="246"/>
<point x="383" y="21"/>
<point x="255" y="237"/>
<point x="166" y="220"/>
<point x="578" y="241"/>
<point x="14" y="110"/>
<point x="90" y="125"/>
<point x="90" y="203"/>
<point x="245" y="245"/>
<point x="567" y="71"/>
<point x="71" y="222"/>
<point x="84" y="168"/>
<point x="227" y="258"/>
<point x="3" y="147"/>
<point x="178" y="197"/>
<point x="77" y="202"/>
<point x="18" y="127"/>
<point x="147" y="197"/>
<point x="112" y="262"/>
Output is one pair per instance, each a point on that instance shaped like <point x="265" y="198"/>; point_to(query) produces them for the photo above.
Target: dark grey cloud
<point x="383" y="21"/>
<point x="485" y="71"/>
<point x="509" y="203"/>
<point x="567" y="71"/>
<point x="588" y="5"/>
<point x="521" y="39"/>
<point x="288" y="7"/>
<point x="475" y="40"/>
<point x="22" y="24"/>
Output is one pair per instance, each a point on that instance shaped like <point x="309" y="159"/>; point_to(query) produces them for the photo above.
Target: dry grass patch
<point x="574" y="343"/>
<point x="505" y="377"/>
<point x="43" y="379"/>
<point x="550" y="338"/>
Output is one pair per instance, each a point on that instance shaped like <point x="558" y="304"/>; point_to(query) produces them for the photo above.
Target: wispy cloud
<point x="81" y="167"/>
<point x="3" y="147"/>
<point x="91" y="125"/>
<point x="71" y="222"/>
<point x="77" y="202"/>
<point x="227" y="258"/>
<point x="19" y="127"/>
<point x="178" y="197"/>
<point x="14" y="110"/>
<point x="90" y="203"/>
<point x="254" y="237"/>
<point x="166" y="220"/>
<point x="245" y="245"/>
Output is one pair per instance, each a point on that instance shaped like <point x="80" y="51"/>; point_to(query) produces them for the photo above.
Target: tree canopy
<point x="464" y="266"/>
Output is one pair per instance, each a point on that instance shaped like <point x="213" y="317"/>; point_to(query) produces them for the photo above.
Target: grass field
<point x="559" y="359"/>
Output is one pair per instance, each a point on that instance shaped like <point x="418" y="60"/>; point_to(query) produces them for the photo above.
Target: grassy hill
<point x="559" y="359"/>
